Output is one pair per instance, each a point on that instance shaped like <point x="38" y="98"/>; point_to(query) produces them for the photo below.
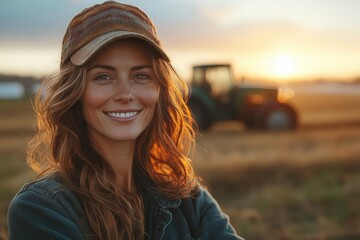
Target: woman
<point x="113" y="136"/>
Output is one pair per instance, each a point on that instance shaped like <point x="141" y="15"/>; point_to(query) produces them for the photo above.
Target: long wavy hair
<point x="161" y="162"/>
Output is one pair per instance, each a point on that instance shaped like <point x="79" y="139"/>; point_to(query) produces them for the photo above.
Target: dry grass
<point x="296" y="147"/>
<point x="303" y="184"/>
<point x="16" y="119"/>
<point x="317" y="108"/>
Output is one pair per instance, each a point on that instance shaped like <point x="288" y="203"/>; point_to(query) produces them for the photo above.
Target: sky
<point x="262" y="39"/>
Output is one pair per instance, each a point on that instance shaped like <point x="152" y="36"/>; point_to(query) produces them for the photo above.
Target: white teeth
<point x="122" y="114"/>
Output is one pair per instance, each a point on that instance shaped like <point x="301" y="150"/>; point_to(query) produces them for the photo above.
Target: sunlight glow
<point x="285" y="94"/>
<point x="283" y="65"/>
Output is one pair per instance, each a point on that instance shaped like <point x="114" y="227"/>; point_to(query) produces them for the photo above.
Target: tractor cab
<point x="215" y="80"/>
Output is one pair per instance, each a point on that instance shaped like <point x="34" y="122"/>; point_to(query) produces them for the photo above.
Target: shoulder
<point x="212" y="222"/>
<point x="49" y="187"/>
<point x="203" y="194"/>
<point x="203" y="199"/>
<point x="47" y="192"/>
<point x="44" y="208"/>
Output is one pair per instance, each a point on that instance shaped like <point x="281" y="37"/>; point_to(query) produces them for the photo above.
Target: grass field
<point x="295" y="185"/>
<point x="298" y="185"/>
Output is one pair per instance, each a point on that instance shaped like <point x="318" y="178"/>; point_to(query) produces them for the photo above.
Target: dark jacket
<point x="46" y="209"/>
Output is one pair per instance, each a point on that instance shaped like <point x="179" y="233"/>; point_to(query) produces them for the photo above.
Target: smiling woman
<point x="113" y="141"/>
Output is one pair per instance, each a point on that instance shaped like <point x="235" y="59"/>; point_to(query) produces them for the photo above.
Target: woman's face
<point x="121" y="91"/>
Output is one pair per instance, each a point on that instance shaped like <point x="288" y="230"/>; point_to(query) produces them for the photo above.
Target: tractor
<point x="215" y="97"/>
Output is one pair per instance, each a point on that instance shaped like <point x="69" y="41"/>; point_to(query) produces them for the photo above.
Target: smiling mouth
<point x="122" y="115"/>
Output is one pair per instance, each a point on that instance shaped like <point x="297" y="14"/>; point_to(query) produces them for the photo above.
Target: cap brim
<point x="86" y="52"/>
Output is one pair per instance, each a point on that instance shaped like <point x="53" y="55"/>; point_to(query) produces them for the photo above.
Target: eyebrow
<point x="141" y="67"/>
<point x="101" y="66"/>
<point x="111" y="68"/>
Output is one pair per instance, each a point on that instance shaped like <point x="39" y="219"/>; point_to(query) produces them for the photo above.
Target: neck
<point x="120" y="156"/>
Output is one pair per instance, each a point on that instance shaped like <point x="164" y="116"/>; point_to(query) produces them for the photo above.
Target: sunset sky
<point x="262" y="39"/>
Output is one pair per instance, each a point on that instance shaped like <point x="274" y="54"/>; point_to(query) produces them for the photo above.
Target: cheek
<point x="91" y="102"/>
<point x="153" y="96"/>
<point x="88" y="104"/>
<point x="150" y="96"/>
<point x="92" y="98"/>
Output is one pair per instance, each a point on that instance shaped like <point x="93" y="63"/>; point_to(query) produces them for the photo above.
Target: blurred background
<point x="298" y="184"/>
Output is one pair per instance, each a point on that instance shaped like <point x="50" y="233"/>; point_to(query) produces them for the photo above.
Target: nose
<point x="124" y="92"/>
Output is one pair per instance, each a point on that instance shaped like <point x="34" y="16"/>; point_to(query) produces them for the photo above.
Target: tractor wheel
<point x="202" y="117"/>
<point x="276" y="117"/>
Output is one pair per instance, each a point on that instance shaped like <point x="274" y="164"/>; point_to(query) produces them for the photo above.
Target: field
<point x="298" y="185"/>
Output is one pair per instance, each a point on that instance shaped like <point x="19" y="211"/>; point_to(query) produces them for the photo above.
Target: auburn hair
<point x="161" y="164"/>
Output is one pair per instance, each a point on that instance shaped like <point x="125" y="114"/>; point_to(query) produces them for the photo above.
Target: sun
<point x="283" y="66"/>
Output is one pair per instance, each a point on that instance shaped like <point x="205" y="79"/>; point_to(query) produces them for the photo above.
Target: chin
<point x="126" y="136"/>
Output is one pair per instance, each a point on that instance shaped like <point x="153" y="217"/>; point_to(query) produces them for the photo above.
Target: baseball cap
<point x="97" y="26"/>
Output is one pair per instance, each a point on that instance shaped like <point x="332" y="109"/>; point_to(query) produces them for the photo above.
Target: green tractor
<point x="215" y="97"/>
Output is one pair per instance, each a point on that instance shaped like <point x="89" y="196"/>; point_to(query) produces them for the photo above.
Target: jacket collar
<point x="165" y="202"/>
